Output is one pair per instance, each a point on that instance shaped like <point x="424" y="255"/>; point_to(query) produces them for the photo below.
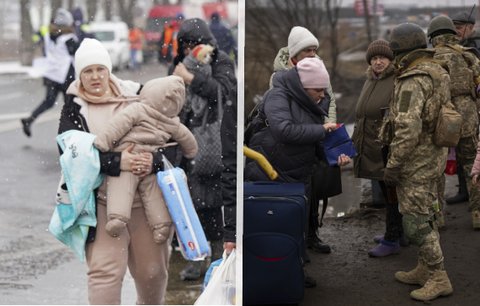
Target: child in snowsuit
<point x="149" y="124"/>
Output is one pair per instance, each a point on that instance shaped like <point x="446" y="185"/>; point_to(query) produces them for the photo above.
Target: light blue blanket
<point x="80" y="164"/>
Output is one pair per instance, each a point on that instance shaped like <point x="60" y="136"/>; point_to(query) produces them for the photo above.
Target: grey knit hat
<point x="379" y="47"/>
<point x="299" y="39"/>
<point x="463" y="18"/>
<point x="63" y="18"/>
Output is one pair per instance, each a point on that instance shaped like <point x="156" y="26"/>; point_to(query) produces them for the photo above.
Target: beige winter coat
<point x="152" y="122"/>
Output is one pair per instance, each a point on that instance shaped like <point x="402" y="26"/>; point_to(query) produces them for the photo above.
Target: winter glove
<point x="391" y="176"/>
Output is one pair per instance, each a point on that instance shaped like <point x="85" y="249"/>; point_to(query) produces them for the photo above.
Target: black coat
<point x="207" y="191"/>
<point x="292" y="141"/>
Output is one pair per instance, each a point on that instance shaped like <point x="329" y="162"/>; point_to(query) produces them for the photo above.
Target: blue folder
<point x="338" y="142"/>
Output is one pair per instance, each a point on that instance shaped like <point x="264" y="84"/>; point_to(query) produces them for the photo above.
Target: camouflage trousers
<point x="466" y="150"/>
<point x="419" y="200"/>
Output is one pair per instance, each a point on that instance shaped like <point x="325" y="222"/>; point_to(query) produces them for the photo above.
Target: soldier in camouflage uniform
<point x="464" y="23"/>
<point x="414" y="162"/>
<point x="464" y="71"/>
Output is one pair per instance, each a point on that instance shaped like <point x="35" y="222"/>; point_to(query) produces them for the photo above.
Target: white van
<point x="114" y="36"/>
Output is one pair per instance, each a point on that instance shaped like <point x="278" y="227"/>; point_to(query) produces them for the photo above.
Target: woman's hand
<point x="343" y="160"/>
<point x="126" y="158"/>
<point x="181" y="71"/>
<point x="229" y="246"/>
<point x="330" y="127"/>
<point x="142" y="164"/>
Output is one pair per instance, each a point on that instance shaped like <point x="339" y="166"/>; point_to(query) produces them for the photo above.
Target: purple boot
<point x="385" y="248"/>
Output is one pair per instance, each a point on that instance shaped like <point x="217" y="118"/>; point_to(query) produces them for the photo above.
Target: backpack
<point x="256" y="121"/>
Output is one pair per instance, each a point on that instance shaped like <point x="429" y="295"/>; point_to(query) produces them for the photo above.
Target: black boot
<point x="462" y="195"/>
<point x="27" y="123"/>
<point x="317" y="245"/>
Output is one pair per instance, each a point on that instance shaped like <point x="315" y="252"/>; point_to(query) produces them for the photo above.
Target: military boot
<point x="417" y="276"/>
<point x="437" y="285"/>
<point x="476" y="219"/>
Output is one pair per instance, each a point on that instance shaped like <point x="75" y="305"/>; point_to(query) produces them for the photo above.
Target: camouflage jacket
<point x="464" y="70"/>
<point x="421" y="88"/>
<point x="282" y="62"/>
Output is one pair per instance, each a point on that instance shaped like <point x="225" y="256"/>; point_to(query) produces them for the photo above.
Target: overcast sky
<point x="420" y="3"/>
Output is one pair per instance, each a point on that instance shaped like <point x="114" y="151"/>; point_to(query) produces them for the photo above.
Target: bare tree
<point x="56" y="4"/>
<point x="267" y="26"/>
<point x="108" y="9"/>
<point x="26" y="44"/>
<point x="126" y="11"/>
<point x="332" y="9"/>
<point x="366" y="13"/>
<point x="91" y="10"/>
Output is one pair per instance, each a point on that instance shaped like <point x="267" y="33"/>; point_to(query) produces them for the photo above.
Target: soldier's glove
<point x="391" y="176"/>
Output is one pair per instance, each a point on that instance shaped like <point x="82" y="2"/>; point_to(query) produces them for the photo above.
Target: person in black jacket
<point x="229" y="174"/>
<point x="206" y="191"/>
<point x="223" y="35"/>
<point x="295" y="109"/>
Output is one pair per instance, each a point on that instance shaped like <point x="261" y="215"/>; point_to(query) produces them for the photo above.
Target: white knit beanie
<point x="91" y="52"/>
<point x="312" y="73"/>
<point x="299" y="39"/>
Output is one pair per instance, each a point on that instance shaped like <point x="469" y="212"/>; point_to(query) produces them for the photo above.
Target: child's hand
<point x="475" y="179"/>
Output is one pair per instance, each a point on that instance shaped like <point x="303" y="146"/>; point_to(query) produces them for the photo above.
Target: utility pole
<point x="375" y="20"/>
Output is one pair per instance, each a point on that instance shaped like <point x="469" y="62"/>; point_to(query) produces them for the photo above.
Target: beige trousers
<point x="108" y="258"/>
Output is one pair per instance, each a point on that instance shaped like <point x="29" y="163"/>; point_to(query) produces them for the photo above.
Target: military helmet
<point x="440" y="25"/>
<point x="407" y="37"/>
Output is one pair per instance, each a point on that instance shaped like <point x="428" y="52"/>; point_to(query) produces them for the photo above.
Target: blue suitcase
<point x="273" y="242"/>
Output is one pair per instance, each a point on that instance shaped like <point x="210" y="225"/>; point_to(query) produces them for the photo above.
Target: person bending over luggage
<point x="295" y="110"/>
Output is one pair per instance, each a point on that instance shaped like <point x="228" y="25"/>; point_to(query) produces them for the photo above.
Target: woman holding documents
<point x="371" y="159"/>
<point x="294" y="110"/>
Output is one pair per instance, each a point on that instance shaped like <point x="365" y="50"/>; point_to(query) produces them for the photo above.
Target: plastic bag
<point x="451" y="167"/>
<point x="221" y="287"/>
<point x="190" y="235"/>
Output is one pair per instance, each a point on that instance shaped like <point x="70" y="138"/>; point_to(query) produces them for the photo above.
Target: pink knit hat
<point x="313" y="73"/>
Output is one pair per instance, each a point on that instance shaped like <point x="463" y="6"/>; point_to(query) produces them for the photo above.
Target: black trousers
<point x="393" y="220"/>
<point x="53" y="89"/>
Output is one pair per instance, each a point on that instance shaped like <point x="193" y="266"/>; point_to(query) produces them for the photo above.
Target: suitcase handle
<point x="262" y="161"/>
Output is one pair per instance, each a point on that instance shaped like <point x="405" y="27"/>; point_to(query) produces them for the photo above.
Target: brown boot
<point x="437" y="285"/>
<point x="417" y="276"/>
